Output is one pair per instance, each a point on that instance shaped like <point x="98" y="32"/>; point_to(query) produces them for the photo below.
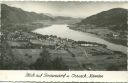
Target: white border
<point x="108" y="76"/>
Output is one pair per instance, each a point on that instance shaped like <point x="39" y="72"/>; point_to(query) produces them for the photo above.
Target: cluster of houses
<point x="20" y="39"/>
<point x="26" y="40"/>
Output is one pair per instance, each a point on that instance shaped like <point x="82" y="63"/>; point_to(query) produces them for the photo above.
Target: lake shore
<point x="65" y="32"/>
<point x="119" y="41"/>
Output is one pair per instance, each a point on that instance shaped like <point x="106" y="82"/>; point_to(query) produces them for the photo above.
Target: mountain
<point x="17" y="15"/>
<point x="110" y="25"/>
<point x="50" y="15"/>
<point x="62" y="17"/>
<point x="13" y="18"/>
<point x="114" y="19"/>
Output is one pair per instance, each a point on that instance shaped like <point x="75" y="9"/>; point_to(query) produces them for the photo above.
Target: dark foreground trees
<point x="46" y="63"/>
<point x="58" y="64"/>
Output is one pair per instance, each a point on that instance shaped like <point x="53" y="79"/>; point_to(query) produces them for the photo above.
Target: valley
<point x="34" y="41"/>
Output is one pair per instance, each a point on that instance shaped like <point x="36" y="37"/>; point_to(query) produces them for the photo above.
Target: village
<point x="77" y="55"/>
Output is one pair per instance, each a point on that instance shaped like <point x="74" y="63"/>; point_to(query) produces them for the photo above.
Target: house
<point x="115" y="35"/>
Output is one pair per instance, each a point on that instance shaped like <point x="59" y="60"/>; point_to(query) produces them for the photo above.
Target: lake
<point x="65" y="32"/>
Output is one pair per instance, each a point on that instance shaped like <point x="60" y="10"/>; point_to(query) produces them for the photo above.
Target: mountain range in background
<point x="17" y="15"/>
<point x="113" y="19"/>
<point x="110" y="25"/>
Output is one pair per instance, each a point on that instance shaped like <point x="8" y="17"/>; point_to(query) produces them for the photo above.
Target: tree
<point x="58" y="64"/>
<point x="44" y="62"/>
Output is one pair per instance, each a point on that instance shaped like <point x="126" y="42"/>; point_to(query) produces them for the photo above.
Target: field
<point x="77" y="61"/>
<point x="39" y="48"/>
<point x="27" y="55"/>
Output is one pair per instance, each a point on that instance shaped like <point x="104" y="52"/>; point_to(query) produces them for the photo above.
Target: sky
<point x="72" y="9"/>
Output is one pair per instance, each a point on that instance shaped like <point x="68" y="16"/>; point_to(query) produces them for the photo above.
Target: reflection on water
<point x="64" y="32"/>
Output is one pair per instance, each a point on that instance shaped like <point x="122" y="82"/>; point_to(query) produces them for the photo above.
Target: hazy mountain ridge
<point x="15" y="18"/>
<point x="110" y="25"/>
<point x="17" y="15"/>
<point x="114" y="19"/>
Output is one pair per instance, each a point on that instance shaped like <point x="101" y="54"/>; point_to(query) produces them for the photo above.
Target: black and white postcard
<point x="63" y="36"/>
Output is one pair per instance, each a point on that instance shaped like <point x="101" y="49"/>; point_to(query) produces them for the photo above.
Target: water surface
<point x="65" y="32"/>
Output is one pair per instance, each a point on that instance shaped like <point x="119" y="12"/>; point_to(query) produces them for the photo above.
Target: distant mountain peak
<point x="17" y="15"/>
<point x="118" y="9"/>
<point x="113" y="17"/>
